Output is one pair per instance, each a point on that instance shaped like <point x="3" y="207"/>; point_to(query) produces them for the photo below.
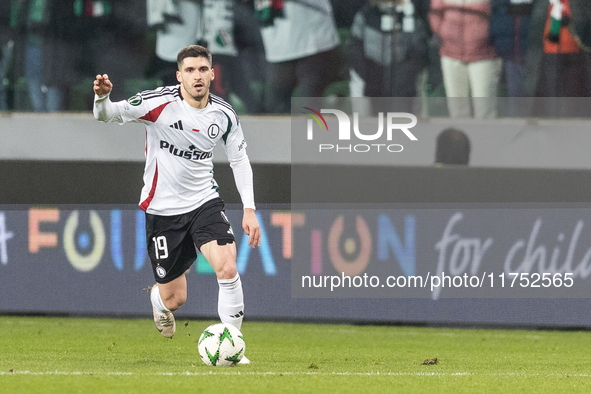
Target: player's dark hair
<point x="193" y="51"/>
<point x="453" y="147"/>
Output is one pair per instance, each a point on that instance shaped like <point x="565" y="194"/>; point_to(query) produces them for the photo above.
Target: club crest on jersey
<point x="135" y="100"/>
<point x="213" y="131"/>
<point x="161" y="272"/>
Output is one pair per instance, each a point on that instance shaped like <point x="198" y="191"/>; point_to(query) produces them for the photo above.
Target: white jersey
<point x="178" y="175"/>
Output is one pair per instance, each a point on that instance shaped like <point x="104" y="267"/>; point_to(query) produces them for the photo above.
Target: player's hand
<point x="102" y="85"/>
<point x="250" y="225"/>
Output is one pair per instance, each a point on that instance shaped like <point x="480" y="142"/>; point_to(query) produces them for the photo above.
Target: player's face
<point x="195" y="77"/>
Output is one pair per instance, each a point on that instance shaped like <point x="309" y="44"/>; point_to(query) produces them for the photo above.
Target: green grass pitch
<point x="93" y="355"/>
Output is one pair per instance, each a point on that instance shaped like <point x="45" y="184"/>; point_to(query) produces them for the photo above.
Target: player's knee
<point x="228" y="271"/>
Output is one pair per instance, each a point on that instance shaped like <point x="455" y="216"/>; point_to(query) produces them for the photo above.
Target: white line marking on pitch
<point x="212" y="373"/>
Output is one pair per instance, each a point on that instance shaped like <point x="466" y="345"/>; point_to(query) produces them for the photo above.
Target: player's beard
<point x="204" y="91"/>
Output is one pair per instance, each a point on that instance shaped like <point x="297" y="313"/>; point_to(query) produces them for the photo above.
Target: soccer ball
<point x="221" y="345"/>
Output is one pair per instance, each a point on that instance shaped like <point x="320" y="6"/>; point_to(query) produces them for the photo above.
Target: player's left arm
<point x="251" y="227"/>
<point x="235" y="147"/>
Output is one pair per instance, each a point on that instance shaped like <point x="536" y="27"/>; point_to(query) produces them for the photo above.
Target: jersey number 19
<point x="160" y="247"/>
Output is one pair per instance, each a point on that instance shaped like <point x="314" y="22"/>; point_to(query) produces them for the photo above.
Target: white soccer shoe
<point x="244" y="360"/>
<point x="165" y="322"/>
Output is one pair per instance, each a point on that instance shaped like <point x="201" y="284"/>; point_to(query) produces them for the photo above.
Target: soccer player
<point x="180" y="196"/>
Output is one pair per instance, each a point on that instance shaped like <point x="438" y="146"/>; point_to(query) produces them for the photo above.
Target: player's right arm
<point x="102" y="85"/>
<point x="105" y="110"/>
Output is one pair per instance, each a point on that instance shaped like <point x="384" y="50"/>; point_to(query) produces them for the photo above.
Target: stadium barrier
<point x="70" y="227"/>
<point x="58" y="252"/>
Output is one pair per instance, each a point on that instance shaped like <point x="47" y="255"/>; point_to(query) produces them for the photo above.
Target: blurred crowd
<point x="265" y="52"/>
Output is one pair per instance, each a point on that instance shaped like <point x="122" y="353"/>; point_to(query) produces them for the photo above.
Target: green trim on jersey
<point x="225" y="136"/>
<point x="214" y="185"/>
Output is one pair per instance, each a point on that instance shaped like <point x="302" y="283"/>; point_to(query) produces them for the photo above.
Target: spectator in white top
<point x="301" y="49"/>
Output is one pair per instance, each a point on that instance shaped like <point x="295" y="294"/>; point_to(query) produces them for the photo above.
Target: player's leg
<point x="173" y="294"/>
<point x="163" y="317"/>
<point x="213" y="236"/>
<point x="222" y="259"/>
<point x="171" y="252"/>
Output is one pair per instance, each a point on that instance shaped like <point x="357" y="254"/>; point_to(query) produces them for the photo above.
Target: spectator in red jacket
<point x="468" y="61"/>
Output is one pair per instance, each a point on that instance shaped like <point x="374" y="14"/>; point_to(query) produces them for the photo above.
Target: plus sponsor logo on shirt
<point x="192" y="153"/>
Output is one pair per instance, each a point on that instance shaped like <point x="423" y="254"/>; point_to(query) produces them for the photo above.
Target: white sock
<point x="231" y="301"/>
<point x="157" y="300"/>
